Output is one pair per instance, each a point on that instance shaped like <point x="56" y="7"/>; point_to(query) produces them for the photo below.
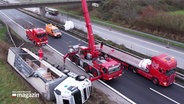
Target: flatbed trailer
<point x="160" y="69"/>
<point x="122" y="56"/>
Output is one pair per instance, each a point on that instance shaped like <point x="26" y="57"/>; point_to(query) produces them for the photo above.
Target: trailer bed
<point x="40" y="74"/>
<point x="125" y="57"/>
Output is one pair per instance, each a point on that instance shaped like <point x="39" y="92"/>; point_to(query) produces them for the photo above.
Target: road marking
<point x="179" y="85"/>
<point x="164" y="96"/>
<point x="33" y="18"/>
<point x="126" y="98"/>
<point x="140" y="40"/>
<point x="11" y="19"/>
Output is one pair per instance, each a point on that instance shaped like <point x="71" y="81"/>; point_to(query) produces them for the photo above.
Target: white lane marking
<point x="179" y="85"/>
<point x="129" y="100"/>
<point x="75" y="37"/>
<point x="29" y="22"/>
<point x="132" y="102"/>
<point x="164" y="96"/>
<point x="140" y="40"/>
<point x="33" y="18"/>
<point x="11" y="19"/>
<point x="85" y="42"/>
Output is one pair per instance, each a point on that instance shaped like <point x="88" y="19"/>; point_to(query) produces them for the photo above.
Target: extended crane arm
<point x="90" y="36"/>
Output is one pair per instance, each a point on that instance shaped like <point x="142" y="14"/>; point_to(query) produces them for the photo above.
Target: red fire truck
<point x="37" y="35"/>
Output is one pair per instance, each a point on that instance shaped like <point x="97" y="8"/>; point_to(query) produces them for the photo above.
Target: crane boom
<point x="90" y="58"/>
<point x="90" y="36"/>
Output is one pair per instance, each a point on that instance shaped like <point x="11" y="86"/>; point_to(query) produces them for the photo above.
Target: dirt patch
<point x="98" y="97"/>
<point x="4" y="50"/>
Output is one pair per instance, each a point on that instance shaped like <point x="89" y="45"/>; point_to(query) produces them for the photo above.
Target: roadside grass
<point x="177" y="12"/>
<point x="2" y="32"/>
<point x="9" y="79"/>
<point x="110" y="25"/>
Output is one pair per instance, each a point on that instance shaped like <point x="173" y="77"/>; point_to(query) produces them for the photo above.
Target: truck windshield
<point x="114" y="68"/>
<point x="56" y="30"/>
<point x="41" y="35"/>
<point x="170" y="72"/>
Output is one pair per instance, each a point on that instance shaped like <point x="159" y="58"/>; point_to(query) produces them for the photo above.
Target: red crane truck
<point x="37" y="35"/>
<point x="89" y="58"/>
<point x="160" y="69"/>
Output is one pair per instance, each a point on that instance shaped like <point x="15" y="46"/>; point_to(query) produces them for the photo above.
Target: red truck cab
<point x="162" y="68"/>
<point x="38" y="36"/>
<point x="101" y="67"/>
<point x="109" y="68"/>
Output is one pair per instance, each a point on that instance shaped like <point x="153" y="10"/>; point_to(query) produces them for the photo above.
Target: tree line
<point x="155" y="15"/>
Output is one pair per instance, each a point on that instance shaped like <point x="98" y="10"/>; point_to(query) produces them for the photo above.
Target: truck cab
<point x="64" y="86"/>
<point x="108" y="67"/>
<point x="52" y="30"/>
<point x="51" y="11"/>
<point x="101" y="67"/>
<point x="37" y="35"/>
<point x="71" y="90"/>
<point x="163" y="69"/>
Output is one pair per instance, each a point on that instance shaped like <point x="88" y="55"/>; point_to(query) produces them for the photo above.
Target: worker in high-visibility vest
<point x="40" y="54"/>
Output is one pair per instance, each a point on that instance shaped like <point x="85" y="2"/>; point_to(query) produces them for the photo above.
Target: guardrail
<point x="118" y="97"/>
<point x="84" y="36"/>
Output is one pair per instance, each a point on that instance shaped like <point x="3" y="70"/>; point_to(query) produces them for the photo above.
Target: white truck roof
<point x="70" y="84"/>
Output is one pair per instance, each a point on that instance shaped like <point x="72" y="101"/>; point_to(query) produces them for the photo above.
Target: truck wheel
<point x="155" y="81"/>
<point x="71" y="58"/>
<point x="34" y="43"/>
<point x="80" y="77"/>
<point x="94" y="72"/>
<point x="27" y="37"/>
<point x="134" y="70"/>
<point x="77" y="61"/>
<point x="86" y="68"/>
<point x="66" y="71"/>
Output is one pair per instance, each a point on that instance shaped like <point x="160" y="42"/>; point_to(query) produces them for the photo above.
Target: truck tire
<point x="86" y="67"/>
<point x="80" y="77"/>
<point x="134" y="70"/>
<point x="77" y="61"/>
<point x="66" y="71"/>
<point x="71" y="58"/>
<point x="34" y="43"/>
<point x="94" y="72"/>
<point x="27" y="37"/>
<point x="155" y="81"/>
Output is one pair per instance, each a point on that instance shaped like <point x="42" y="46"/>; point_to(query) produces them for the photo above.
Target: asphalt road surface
<point x="134" y="86"/>
<point x="133" y="42"/>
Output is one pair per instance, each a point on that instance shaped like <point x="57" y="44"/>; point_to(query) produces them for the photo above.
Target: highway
<point x="134" y="86"/>
<point x="132" y="42"/>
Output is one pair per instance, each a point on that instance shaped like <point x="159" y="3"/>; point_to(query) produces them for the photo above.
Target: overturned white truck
<point x="66" y="87"/>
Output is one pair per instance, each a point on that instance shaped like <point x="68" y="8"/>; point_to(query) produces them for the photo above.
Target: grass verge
<point x="9" y="79"/>
<point x="9" y="82"/>
<point x="123" y="29"/>
<point x="178" y="12"/>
